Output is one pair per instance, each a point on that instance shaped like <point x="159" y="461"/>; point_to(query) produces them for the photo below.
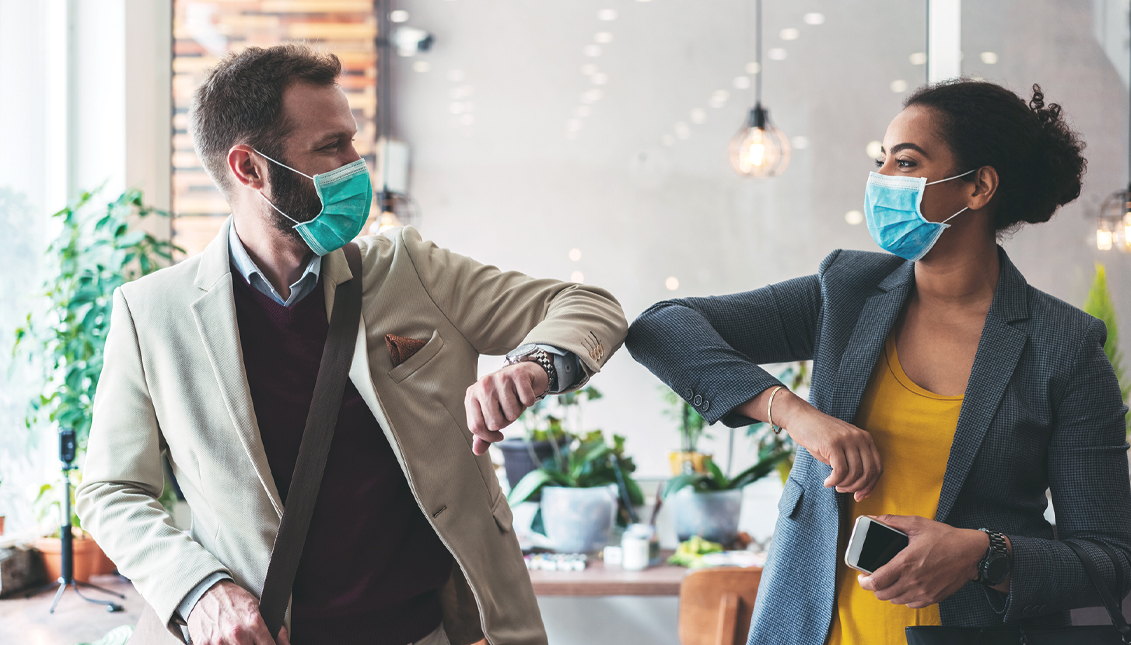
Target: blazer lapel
<point x="872" y="328"/>
<point x="215" y="315"/>
<point x="998" y="352"/>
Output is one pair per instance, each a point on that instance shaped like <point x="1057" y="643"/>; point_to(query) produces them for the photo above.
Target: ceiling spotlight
<point x="410" y="41"/>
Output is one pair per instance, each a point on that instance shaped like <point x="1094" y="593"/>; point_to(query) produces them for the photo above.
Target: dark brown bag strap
<point x="333" y="372"/>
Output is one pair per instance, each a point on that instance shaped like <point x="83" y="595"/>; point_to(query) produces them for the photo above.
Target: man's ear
<point x="249" y="168"/>
<point x="984" y="187"/>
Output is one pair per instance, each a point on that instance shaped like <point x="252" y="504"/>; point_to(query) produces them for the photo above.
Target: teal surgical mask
<point x="346" y="195"/>
<point x="891" y="205"/>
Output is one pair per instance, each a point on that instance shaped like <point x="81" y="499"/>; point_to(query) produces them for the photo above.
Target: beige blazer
<point x="174" y="380"/>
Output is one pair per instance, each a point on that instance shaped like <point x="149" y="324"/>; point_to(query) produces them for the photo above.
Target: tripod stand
<point x="67" y="555"/>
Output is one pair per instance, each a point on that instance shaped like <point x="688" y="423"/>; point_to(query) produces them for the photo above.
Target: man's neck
<point x="281" y="261"/>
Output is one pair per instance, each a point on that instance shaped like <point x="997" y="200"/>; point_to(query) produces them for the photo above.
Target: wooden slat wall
<point x="204" y="31"/>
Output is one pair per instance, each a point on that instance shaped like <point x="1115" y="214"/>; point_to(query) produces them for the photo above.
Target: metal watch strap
<point x="546" y="362"/>
<point x="997" y="546"/>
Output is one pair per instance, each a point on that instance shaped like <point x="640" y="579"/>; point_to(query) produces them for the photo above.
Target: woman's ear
<point x="248" y="168"/>
<point x="982" y="188"/>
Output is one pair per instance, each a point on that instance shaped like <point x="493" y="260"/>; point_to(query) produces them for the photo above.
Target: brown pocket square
<point x="401" y="349"/>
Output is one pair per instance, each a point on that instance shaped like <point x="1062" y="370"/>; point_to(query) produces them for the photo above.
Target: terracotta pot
<point x="1" y="525"/>
<point x="697" y="460"/>
<point x="89" y="558"/>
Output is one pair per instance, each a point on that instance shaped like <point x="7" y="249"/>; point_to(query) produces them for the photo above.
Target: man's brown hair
<point x="241" y="101"/>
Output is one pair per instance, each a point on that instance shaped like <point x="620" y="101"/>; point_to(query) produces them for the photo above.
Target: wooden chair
<point x="715" y="605"/>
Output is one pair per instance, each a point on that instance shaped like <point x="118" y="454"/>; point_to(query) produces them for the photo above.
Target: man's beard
<point x="294" y="195"/>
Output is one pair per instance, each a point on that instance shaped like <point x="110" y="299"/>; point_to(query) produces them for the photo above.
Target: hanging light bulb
<point x="1113" y="225"/>
<point x="759" y="149"/>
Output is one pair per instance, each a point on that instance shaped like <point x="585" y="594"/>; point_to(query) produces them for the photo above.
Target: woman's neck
<point x="963" y="273"/>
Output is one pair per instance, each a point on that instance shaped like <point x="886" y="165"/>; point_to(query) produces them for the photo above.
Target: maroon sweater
<point x="372" y="565"/>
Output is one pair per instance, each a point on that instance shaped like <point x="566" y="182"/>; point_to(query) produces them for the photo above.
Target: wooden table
<point x="597" y="580"/>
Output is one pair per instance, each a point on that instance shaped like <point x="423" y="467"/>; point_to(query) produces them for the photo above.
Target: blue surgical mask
<point x="346" y="195"/>
<point x="891" y="205"/>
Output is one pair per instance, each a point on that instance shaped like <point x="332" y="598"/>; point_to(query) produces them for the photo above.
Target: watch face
<point x="997" y="569"/>
<point x="522" y="350"/>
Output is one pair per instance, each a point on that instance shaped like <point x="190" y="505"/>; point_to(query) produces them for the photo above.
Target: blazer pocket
<point x="791" y="499"/>
<point x="418" y="360"/>
<point x="502" y="512"/>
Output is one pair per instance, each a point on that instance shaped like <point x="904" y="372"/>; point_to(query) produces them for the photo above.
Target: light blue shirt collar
<point x="250" y="272"/>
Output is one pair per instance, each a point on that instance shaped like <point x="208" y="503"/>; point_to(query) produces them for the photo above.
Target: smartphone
<point x="873" y="544"/>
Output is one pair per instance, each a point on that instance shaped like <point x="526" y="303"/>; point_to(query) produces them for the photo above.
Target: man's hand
<point x="496" y="400"/>
<point x="849" y="450"/>
<point x="228" y="614"/>
<point x="938" y="561"/>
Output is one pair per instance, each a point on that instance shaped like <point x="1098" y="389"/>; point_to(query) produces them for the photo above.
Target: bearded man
<point x="214" y="362"/>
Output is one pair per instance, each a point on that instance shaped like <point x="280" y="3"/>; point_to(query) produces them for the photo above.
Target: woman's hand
<point x="849" y="450"/>
<point x="938" y="561"/>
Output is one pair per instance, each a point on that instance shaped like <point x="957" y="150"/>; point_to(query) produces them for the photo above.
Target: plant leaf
<point x="531" y="483"/>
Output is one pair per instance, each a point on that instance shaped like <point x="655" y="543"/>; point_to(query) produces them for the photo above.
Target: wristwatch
<point x="995" y="565"/>
<point x="535" y="354"/>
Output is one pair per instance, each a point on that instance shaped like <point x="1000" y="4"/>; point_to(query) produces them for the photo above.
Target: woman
<point x="937" y="366"/>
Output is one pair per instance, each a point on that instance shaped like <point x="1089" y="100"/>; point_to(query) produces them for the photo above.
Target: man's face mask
<point x="891" y="205"/>
<point x="346" y="195"/>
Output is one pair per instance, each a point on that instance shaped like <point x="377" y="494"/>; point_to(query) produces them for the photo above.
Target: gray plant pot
<point x="712" y="516"/>
<point x="578" y="520"/>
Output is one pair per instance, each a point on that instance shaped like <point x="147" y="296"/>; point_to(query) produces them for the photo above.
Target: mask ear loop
<point x="277" y="209"/>
<point x="954" y="216"/>
<point x="297" y="223"/>
<point x="948" y="179"/>
<point x="931" y="183"/>
<point x="312" y="178"/>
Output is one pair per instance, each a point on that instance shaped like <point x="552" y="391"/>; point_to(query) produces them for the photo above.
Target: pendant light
<point x="1113" y="228"/>
<point x="759" y="149"/>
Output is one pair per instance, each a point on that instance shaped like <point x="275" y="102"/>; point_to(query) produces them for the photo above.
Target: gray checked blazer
<point x="1042" y="410"/>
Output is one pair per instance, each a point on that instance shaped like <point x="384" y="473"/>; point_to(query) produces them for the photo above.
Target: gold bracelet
<point x="770" y="410"/>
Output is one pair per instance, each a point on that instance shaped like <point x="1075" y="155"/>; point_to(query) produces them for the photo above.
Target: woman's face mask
<point x="891" y="205"/>
<point x="346" y="194"/>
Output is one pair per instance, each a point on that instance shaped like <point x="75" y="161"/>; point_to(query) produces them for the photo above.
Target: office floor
<point x="25" y="621"/>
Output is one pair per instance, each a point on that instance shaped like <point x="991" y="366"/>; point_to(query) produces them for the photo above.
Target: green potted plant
<point x="692" y="428"/>
<point x="95" y="252"/>
<point x="585" y="490"/>
<point x="545" y="433"/>
<point x="709" y="504"/>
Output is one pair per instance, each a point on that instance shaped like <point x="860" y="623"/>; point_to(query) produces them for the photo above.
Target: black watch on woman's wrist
<point x="994" y="567"/>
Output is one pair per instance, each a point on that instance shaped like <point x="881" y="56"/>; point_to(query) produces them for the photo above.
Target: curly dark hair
<point x="1034" y="150"/>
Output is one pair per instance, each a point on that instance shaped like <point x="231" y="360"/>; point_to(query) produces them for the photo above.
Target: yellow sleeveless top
<point x="913" y="430"/>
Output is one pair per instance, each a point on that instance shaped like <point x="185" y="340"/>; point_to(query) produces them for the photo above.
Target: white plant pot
<point x="578" y="520"/>
<point x="712" y="516"/>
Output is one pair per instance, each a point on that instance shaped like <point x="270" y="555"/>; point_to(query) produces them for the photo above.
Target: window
<point x="203" y="32"/>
